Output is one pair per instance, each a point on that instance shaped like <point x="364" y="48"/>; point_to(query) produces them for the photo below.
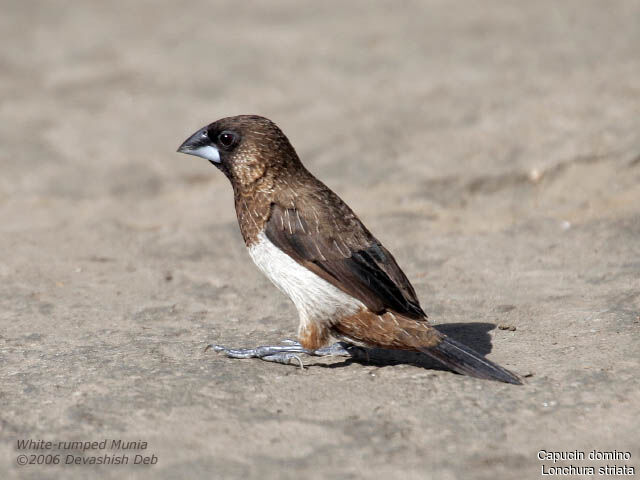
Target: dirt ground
<point x="494" y="148"/>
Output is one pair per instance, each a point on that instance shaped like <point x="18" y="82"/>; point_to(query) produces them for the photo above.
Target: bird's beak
<point x="200" y="145"/>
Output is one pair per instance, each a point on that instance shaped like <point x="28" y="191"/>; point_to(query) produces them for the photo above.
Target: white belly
<point x="315" y="298"/>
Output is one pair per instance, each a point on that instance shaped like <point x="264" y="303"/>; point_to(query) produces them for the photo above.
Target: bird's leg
<point x="289" y="352"/>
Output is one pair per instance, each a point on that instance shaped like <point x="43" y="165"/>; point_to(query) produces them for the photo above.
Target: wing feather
<point x="343" y="252"/>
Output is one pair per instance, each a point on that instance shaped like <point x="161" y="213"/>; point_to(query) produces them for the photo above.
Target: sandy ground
<point x="494" y="147"/>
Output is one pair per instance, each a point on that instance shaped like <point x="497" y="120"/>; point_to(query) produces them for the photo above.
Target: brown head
<point x="247" y="148"/>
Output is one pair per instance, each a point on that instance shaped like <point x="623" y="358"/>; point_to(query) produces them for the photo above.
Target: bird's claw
<point x="289" y="353"/>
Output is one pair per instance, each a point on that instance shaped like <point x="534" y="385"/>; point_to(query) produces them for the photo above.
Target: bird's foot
<point x="290" y="352"/>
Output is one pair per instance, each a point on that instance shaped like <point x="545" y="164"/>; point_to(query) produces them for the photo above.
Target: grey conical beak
<point x="200" y="145"/>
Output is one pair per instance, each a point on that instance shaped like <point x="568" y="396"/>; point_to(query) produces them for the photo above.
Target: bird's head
<point x="247" y="148"/>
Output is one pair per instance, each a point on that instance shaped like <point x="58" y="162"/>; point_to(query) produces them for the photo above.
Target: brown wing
<point x="334" y="244"/>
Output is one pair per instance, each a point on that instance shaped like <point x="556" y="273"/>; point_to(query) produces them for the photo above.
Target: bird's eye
<point x="226" y="139"/>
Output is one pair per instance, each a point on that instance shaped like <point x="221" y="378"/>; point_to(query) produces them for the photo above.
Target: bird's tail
<point x="399" y="332"/>
<point x="466" y="361"/>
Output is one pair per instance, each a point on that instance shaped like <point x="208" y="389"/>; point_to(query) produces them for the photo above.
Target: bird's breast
<point x="315" y="298"/>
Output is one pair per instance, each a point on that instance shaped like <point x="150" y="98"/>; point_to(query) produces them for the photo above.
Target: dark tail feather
<point x="464" y="360"/>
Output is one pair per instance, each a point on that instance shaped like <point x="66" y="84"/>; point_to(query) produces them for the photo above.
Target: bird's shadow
<point x="474" y="335"/>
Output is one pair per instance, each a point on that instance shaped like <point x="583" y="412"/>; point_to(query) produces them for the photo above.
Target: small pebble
<point x="535" y="175"/>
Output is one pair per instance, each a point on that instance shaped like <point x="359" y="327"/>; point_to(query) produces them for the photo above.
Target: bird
<point x="345" y="285"/>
